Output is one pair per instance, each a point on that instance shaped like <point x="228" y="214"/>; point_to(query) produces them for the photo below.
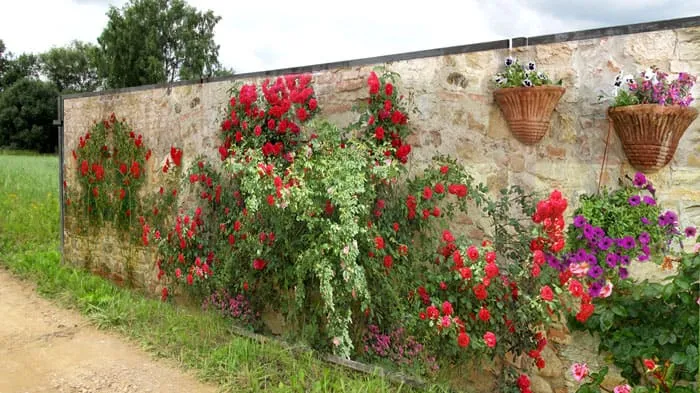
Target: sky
<point x="257" y="35"/>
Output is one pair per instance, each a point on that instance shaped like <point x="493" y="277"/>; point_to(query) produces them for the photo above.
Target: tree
<point x="72" y="68"/>
<point x="15" y="69"/>
<point x="157" y="41"/>
<point x="3" y="60"/>
<point x="27" y="112"/>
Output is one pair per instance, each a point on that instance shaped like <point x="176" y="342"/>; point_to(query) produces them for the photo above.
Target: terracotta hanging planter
<point x="650" y="132"/>
<point x="528" y="110"/>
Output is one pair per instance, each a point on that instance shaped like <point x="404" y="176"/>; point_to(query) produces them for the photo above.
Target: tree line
<point x="144" y="42"/>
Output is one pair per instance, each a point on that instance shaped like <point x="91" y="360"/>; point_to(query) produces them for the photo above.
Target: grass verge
<point x="198" y="340"/>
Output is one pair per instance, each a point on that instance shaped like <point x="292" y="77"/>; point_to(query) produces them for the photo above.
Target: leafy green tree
<point x="72" y="68"/>
<point x="2" y="57"/>
<point x="14" y="69"/>
<point x="157" y="41"/>
<point x="27" y="111"/>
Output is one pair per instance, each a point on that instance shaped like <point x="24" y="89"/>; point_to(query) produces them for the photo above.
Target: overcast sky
<point x="259" y="35"/>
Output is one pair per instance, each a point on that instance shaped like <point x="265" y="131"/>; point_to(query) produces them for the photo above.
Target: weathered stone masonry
<point x="454" y="95"/>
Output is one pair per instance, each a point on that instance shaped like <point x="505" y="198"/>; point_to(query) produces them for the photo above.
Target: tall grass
<point x="29" y="208"/>
<point x="202" y="341"/>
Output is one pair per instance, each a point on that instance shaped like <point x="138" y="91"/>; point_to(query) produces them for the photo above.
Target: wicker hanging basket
<point x="528" y="110"/>
<point x="650" y="132"/>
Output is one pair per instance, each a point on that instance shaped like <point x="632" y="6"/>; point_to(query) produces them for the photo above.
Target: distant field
<point x="29" y="207"/>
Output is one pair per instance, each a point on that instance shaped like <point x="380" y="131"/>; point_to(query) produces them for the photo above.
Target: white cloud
<point x="269" y="34"/>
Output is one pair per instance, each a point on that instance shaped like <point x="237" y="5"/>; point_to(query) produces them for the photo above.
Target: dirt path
<point x="44" y="348"/>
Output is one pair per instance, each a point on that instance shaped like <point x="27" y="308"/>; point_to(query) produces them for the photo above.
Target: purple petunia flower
<point x="588" y="231"/>
<point x="639" y="180"/>
<point x="579" y="221"/>
<point x="651" y="188"/>
<point x="554" y="263"/>
<point x="643" y="257"/>
<point x="645" y="249"/>
<point x="595" y="271"/>
<point x="624" y="260"/>
<point x="645" y="220"/>
<point x="598" y="233"/>
<point x="605" y="243"/>
<point x="591" y="259"/>
<point x="626" y="242"/>
<point x="649" y="200"/>
<point x="579" y="256"/>
<point x="644" y="238"/>
<point x="595" y="288"/>
<point x="623" y="273"/>
<point x="611" y="259"/>
<point x="690" y="232"/>
<point x="634" y="200"/>
<point x="668" y="218"/>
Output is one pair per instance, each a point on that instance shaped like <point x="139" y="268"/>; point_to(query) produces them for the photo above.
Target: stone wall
<point x="457" y="117"/>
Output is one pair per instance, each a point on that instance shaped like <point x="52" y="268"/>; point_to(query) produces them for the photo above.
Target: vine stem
<point x="605" y="154"/>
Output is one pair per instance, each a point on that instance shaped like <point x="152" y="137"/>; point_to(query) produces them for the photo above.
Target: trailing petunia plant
<point x="653" y="86"/>
<point x="519" y="75"/>
<point x="636" y="320"/>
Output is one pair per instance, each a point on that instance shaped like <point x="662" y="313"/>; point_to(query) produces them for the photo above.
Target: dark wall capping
<point x="670" y="24"/>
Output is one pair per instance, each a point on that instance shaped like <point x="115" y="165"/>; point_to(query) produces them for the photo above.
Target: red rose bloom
<point x="491" y="270"/>
<point x="538" y="257"/>
<point x="490" y="257"/>
<point x="575" y="288"/>
<point x="546" y="293"/>
<point x="389" y="89"/>
<point x="432" y="312"/>
<point x="176" y="155"/>
<point x="379" y="133"/>
<point x="586" y="311"/>
<point x="472" y="253"/>
<point x="465" y="272"/>
<point x="447" y="308"/>
<point x="649" y="364"/>
<point x="444" y="169"/>
<point x="484" y="314"/>
<point x="427" y="193"/>
<point x="439" y="188"/>
<point x="135" y="170"/>
<point x="523" y="382"/>
<point x="490" y="339"/>
<point x="373" y="83"/>
<point x="480" y="292"/>
<point x="379" y="242"/>
<point x="540" y="363"/>
<point x="388" y="261"/>
<point x="447" y="236"/>
<point x="463" y="339"/>
<point x="259" y="264"/>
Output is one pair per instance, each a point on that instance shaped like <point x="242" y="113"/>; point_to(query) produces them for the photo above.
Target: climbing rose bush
<point x="298" y="215"/>
<point x="110" y="162"/>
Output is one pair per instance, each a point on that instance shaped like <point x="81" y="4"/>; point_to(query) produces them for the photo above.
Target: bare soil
<point x="44" y="348"/>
